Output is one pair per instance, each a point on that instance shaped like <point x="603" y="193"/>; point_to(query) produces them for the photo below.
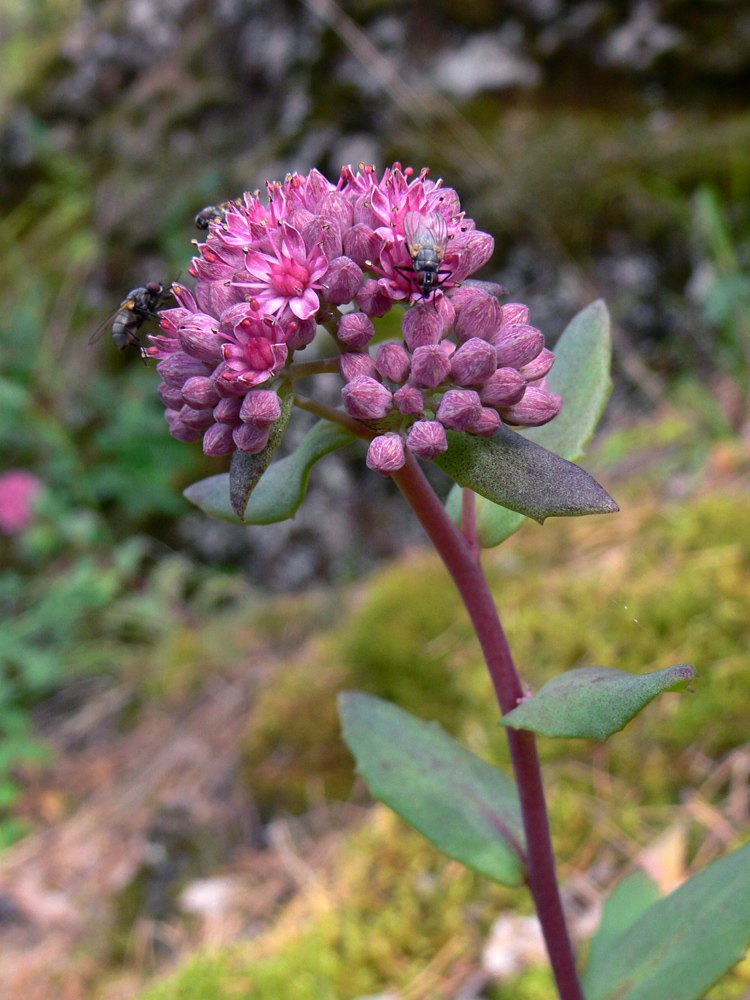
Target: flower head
<point x="274" y="268"/>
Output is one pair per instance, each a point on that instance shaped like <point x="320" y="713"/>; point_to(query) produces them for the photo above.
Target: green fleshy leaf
<point x="593" y="702"/>
<point x="282" y="487"/>
<point x="629" y="901"/>
<point x="516" y="473"/>
<point x="466" y="807"/>
<point x="581" y="375"/>
<point x="245" y="470"/>
<point x="681" y="945"/>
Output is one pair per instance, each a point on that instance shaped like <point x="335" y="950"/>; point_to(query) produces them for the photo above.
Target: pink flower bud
<point x="300" y="333"/>
<point x="393" y="362"/>
<point x="386" y="453"/>
<point x="199" y="420"/>
<point x="179" y="430"/>
<point x="427" y="439"/>
<point x="336" y="206"/>
<point x="171" y="397"/>
<point x="199" y="339"/>
<point x="217" y="296"/>
<point x="409" y="400"/>
<point x="179" y="367"/>
<point x="537" y="368"/>
<point x="324" y="233"/>
<point x="459" y="409"/>
<point x="481" y="246"/>
<point x="261" y="407"/>
<point x="447" y="312"/>
<point x="18" y="491"/>
<point x="299" y="218"/>
<point x="373" y="298"/>
<point x="225" y="381"/>
<point x="362" y="244"/>
<point x="477" y="315"/>
<point x="199" y="392"/>
<point x="487" y="423"/>
<point x="317" y="186"/>
<point x="355" y="363"/>
<point x="463" y="295"/>
<point x="515" y="312"/>
<point x="228" y="410"/>
<point x="422" y="325"/>
<point x="537" y="407"/>
<point x="367" y="399"/>
<point x="429" y="366"/>
<point x="356" y="329"/>
<point x="341" y="282"/>
<point x="473" y="363"/>
<point x="218" y="440"/>
<point x="251" y="439"/>
<point x="504" y="388"/>
<point x="516" y="345"/>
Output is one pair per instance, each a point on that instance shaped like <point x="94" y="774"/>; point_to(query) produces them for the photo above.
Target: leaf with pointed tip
<point x="682" y="944"/>
<point x="466" y="807"/>
<point x="519" y="474"/>
<point x="581" y="375"/>
<point x="593" y="702"/>
<point x="282" y="487"/>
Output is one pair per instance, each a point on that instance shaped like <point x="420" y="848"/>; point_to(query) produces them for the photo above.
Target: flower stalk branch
<point x="467" y="573"/>
<point x="339" y="417"/>
<point x="303" y="369"/>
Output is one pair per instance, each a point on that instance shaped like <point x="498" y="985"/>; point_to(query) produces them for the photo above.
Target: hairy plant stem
<point x="463" y="563"/>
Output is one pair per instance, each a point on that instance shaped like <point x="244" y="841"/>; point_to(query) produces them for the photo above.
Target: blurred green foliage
<point x="722" y="289"/>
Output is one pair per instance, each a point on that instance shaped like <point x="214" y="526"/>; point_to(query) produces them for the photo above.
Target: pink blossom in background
<point x="18" y="491"/>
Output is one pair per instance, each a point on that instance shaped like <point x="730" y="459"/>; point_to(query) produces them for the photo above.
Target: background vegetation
<point x="607" y="147"/>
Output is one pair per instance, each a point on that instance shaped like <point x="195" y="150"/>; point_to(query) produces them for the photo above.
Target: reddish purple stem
<point x="465" y="567"/>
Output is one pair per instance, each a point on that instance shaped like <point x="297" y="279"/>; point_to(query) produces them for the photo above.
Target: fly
<point x="214" y="213"/>
<point x="139" y="305"/>
<point x="426" y="241"/>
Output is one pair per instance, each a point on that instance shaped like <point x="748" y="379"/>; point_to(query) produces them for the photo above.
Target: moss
<point x="292" y="750"/>
<point x="394" y="644"/>
<point x="406" y="640"/>
<point x="392" y="913"/>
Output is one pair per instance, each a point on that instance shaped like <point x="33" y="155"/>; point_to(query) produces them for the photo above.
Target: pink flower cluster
<point x="271" y="270"/>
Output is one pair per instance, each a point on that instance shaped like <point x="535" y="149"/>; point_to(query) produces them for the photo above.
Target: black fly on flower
<point x="136" y="308"/>
<point x="426" y="241"/>
<point x="215" y="213"/>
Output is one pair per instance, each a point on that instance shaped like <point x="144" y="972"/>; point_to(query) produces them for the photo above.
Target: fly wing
<point x="414" y="231"/>
<point x="438" y="229"/>
<point x="107" y="323"/>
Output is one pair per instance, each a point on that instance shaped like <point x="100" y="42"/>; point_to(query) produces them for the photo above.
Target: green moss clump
<point x="292" y="750"/>
<point x="400" y="643"/>
<point x="408" y="640"/>
<point x="393" y="914"/>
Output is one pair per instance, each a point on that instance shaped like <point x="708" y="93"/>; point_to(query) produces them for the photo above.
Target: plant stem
<point x="328" y="412"/>
<point x="466" y="569"/>
<point x="302" y="369"/>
